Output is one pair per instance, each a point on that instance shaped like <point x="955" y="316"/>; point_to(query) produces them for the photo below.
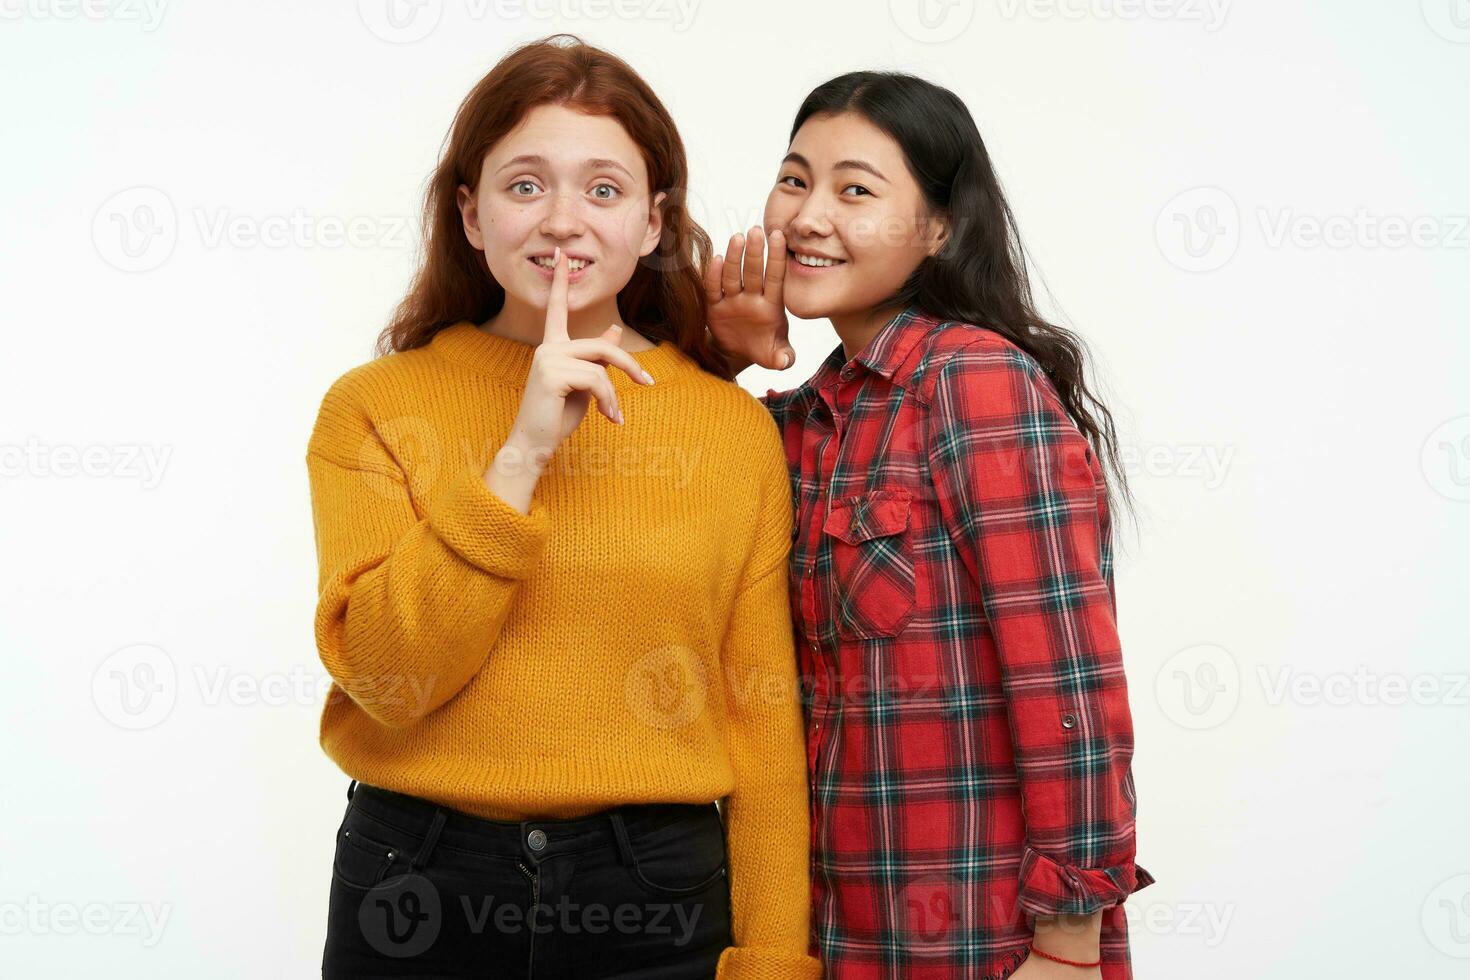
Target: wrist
<point x="733" y="362"/>
<point x="1070" y="937"/>
<point x="520" y="456"/>
<point x="524" y="453"/>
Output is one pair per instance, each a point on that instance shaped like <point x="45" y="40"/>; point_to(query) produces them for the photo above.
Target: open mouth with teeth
<point x="573" y="265"/>
<point x="814" y="262"/>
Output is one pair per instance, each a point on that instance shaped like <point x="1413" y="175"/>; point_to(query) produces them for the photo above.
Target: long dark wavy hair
<point x="979" y="276"/>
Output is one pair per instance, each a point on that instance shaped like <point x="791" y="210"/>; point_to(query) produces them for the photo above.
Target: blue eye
<point x="515" y="188"/>
<point x="612" y="192"/>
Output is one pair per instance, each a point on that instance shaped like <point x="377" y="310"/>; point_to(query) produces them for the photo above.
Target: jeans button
<point x="537" y="839"/>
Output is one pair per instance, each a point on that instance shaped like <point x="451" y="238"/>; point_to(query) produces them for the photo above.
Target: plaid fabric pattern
<point x="968" y="730"/>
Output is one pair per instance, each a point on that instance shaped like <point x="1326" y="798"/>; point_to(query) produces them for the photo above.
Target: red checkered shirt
<point x="968" y="731"/>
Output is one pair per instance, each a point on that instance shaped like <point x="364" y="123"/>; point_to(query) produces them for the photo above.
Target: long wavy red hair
<point x="664" y="299"/>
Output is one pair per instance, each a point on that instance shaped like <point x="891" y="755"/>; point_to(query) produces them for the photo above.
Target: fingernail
<point x="556" y="255"/>
<point x="647" y="378"/>
<point x="617" y="328"/>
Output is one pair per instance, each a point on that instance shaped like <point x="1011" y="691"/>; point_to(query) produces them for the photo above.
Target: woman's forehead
<point x="558" y="138"/>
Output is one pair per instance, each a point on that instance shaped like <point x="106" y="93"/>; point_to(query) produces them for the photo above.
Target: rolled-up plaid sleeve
<point x="1022" y="495"/>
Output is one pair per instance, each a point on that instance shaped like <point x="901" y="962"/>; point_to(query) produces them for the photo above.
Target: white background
<point x="1217" y="195"/>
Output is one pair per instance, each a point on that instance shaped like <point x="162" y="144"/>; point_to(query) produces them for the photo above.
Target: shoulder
<point x="382" y="376"/>
<point x="362" y="393"/>
<point x="979" y="365"/>
<point x="725" y="407"/>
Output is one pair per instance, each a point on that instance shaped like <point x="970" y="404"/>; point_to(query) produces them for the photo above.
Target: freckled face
<point x="855" y="220"/>
<point x="569" y="179"/>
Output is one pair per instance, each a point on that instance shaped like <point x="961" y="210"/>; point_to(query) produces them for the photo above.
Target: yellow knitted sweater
<point x="627" y="641"/>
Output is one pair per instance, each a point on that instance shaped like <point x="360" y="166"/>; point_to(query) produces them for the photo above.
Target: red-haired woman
<point x="557" y="637"/>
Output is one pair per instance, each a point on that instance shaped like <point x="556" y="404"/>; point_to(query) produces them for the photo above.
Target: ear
<point x="938" y="233"/>
<point x="655" y="225"/>
<point x="469" y="213"/>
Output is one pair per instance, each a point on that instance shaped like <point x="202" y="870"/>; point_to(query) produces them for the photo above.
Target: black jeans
<point x="420" y="890"/>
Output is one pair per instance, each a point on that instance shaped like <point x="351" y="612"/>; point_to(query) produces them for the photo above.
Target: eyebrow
<point x="536" y="160"/>
<point x="839" y="165"/>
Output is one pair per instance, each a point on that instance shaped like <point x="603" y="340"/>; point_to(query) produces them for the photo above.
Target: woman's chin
<point x="808" y="303"/>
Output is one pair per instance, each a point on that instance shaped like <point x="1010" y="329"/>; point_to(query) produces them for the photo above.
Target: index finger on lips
<point x="556" y="303"/>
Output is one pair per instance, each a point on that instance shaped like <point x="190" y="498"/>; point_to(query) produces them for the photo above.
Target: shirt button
<point x="1069" y="720"/>
<point x="847" y="374"/>
<point x="537" y="839"/>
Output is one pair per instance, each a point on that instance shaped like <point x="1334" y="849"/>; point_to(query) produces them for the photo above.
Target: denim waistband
<point x="443" y="825"/>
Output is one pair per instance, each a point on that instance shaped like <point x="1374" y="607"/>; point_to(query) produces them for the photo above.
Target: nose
<point x="562" y="219"/>
<point x="813" y="220"/>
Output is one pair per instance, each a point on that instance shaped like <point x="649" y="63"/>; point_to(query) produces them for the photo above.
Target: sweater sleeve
<point x="767" y="814"/>
<point x="1015" y="481"/>
<point x="409" y="607"/>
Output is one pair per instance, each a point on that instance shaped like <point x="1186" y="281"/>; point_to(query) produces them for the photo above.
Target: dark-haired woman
<point x="557" y="637"/>
<point x="968" y="729"/>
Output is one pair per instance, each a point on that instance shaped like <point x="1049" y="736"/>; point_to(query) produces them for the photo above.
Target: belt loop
<point x="625" y="850"/>
<point x="724" y="826"/>
<point x="432" y="838"/>
<point x="350" y="788"/>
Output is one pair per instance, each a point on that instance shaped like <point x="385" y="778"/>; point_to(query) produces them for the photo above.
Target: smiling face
<point x="569" y="179"/>
<point x="855" y="220"/>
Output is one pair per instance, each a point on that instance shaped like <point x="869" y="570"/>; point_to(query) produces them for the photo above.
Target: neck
<point x="858" y="329"/>
<point x="527" y="324"/>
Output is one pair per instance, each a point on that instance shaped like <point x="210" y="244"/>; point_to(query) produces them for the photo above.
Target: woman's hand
<point x="746" y="314"/>
<point x="566" y="375"/>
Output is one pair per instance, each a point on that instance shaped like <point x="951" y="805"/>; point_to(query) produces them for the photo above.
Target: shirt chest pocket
<point x="872" y="588"/>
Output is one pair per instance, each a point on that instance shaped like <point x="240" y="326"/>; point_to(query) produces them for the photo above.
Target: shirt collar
<point x="889" y="349"/>
<point x="886" y="354"/>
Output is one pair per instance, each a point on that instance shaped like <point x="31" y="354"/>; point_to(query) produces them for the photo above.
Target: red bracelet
<point x="1058" y="959"/>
